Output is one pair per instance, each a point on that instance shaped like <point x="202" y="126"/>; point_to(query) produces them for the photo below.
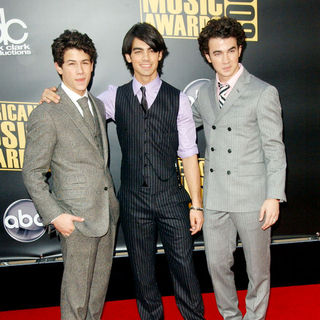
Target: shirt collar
<point x="151" y="86"/>
<point x="232" y="81"/>
<point x="71" y="94"/>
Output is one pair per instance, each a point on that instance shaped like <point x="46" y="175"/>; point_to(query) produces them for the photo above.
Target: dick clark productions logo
<point x="22" y="222"/>
<point x="13" y="37"/>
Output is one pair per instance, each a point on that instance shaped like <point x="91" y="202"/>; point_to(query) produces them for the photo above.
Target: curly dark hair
<point x="224" y="27"/>
<point x="70" y="39"/>
<point x="148" y="34"/>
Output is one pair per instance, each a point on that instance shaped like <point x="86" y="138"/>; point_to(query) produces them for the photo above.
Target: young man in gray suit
<point x="70" y="140"/>
<point x="244" y="170"/>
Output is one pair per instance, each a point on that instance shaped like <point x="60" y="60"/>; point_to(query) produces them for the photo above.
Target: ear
<point x="128" y="57"/>
<point x="208" y="57"/>
<point x="160" y="55"/>
<point x="58" y="68"/>
<point x="240" y="50"/>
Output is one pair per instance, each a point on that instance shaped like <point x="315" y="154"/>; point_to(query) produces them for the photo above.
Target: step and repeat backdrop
<point x="283" y="49"/>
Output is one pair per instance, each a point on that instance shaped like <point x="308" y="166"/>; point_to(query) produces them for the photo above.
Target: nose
<point x="145" y="55"/>
<point x="225" y="58"/>
<point x="79" y="68"/>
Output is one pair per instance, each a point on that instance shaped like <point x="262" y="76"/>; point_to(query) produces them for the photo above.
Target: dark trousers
<point x="143" y="215"/>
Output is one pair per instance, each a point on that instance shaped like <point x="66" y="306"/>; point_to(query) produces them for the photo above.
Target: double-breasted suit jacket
<point x="59" y="140"/>
<point x="245" y="157"/>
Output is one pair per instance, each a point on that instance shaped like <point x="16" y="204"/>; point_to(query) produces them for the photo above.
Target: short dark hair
<point x="148" y="34"/>
<point x="224" y="27"/>
<point x="70" y="39"/>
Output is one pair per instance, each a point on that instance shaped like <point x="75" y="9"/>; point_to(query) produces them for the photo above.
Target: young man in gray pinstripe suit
<point x="70" y="139"/>
<point x="245" y="168"/>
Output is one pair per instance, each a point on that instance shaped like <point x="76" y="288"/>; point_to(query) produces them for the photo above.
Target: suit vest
<point x="97" y="133"/>
<point x="149" y="140"/>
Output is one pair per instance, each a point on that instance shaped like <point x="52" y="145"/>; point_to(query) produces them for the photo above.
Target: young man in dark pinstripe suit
<point x="154" y="125"/>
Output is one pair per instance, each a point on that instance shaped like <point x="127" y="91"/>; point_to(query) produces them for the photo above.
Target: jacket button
<point x="106" y="188"/>
<point x="214" y="127"/>
<point x="228" y="172"/>
<point x="229" y="129"/>
<point x="211" y="170"/>
<point x="229" y="150"/>
<point x="212" y="148"/>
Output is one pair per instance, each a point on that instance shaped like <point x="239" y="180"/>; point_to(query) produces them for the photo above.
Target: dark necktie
<point x="223" y="88"/>
<point x="144" y="103"/>
<point x="87" y="115"/>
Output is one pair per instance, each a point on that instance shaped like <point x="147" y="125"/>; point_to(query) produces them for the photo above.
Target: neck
<point x="144" y="80"/>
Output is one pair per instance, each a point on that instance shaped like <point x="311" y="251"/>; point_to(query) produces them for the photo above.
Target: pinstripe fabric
<point x="152" y="202"/>
<point x="245" y="155"/>
<point x="245" y="165"/>
<point x="59" y="139"/>
<point x="84" y="285"/>
<point x="220" y="234"/>
<point x="148" y="140"/>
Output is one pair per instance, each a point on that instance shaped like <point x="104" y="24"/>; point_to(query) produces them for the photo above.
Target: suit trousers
<point x="87" y="266"/>
<point x="143" y="216"/>
<point x="220" y="237"/>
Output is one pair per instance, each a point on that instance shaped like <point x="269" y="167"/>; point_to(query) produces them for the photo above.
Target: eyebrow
<point x="138" y="48"/>
<point x="217" y="51"/>
<point x="71" y="60"/>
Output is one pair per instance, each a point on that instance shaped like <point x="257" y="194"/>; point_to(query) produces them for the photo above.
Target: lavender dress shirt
<point x="185" y="124"/>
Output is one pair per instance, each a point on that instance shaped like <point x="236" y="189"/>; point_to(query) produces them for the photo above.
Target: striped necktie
<point x="223" y="88"/>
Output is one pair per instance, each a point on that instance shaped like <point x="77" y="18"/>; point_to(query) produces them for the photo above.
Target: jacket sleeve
<point x="196" y="112"/>
<point x="270" y="125"/>
<point x="41" y="139"/>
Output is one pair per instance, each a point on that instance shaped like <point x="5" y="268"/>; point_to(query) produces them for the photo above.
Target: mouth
<point x="146" y="66"/>
<point x="80" y="80"/>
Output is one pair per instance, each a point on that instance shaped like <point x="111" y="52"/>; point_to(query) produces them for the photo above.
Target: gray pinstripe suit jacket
<point x="245" y="159"/>
<point x="57" y="138"/>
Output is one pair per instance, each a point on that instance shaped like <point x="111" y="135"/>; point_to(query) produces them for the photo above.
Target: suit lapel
<point x="102" y="126"/>
<point x="234" y="94"/>
<point x="71" y="110"/>
<point x="212" y="94"/>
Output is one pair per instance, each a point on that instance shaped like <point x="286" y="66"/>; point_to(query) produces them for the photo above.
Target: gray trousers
<point x="220" y="234"/>
<point x="87" y="266"/>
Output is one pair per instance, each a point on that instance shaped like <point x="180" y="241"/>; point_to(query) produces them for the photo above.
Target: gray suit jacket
<point x="245" y="159"/>
<point x="58" y="139"/>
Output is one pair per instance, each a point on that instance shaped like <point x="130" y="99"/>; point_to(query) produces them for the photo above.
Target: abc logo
<point x="5" y="27"/>
<point x="22" y="222"/>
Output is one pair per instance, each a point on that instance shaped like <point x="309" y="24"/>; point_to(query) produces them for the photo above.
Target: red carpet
<point x="286" y="303"/>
